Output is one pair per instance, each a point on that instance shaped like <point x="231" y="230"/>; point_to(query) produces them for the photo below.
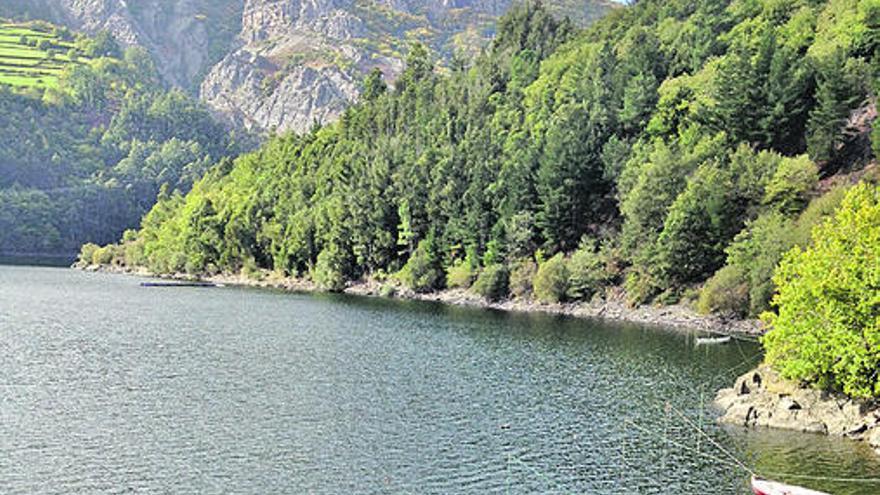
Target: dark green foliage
<point x="834" y="99"/>
<point x="374" y="85"/>
<point x="726" y="293"/>
<point x="422" y="272"/>
<point x="102" y="45"/>
<point x="700" y="223"/>
<point x="329" y="272"/>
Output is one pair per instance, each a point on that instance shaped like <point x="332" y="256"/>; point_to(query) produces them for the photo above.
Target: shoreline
<point x="612" y="309"/>
<point x="763" y="399"/>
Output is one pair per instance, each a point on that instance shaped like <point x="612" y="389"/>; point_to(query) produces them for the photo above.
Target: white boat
<point x="713" y="340"/>
<point x="766" y="487"/>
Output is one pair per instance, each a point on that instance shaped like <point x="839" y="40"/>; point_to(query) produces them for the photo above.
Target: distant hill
<point x="89" y="135"/>
<point x="268" y="64"/>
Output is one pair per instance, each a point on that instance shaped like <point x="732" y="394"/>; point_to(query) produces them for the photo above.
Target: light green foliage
<point x="461" y="274"/>
<point x="87" y="253"/>
<point x="551" y="281"/>
<point x="757" y="250"/>
<point x="754" y="254"/>
<point x="790" y="188"/>
<point x="827" y="330"/>
<point x="586" y="272"/>
<point x="493" y="282"/>
<point x="521" y="277"/>
<point x="107" y="255"/>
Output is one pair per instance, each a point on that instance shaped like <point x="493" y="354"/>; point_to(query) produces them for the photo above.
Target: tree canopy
<point x="673" y="147"/>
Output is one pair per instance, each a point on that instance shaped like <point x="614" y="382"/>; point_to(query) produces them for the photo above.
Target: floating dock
<point x="204" y="285"/>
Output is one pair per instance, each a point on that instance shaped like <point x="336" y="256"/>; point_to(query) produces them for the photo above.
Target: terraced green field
<point x="31" y="56"/>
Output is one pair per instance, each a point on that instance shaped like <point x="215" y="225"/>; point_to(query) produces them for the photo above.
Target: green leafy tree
<point x="493" y="282"/>
<point x="827" y="330"/>
<point x="551" y="281"/>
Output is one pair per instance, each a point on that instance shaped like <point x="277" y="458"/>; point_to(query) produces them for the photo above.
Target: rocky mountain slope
<point x="285" y="64"/>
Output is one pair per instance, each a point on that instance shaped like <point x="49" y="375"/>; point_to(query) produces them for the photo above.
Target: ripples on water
<point x="109" y="387"/>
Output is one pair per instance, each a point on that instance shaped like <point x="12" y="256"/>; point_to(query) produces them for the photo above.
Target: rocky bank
<point x="761" y="398"/>
<point x="611" y="308"/>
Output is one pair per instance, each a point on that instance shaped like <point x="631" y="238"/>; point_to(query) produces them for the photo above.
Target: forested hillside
<point x="86" y="145"/>
<point x="676" y="148"/>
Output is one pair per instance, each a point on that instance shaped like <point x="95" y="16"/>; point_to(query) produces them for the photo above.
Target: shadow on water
<point x="55" y="261"/>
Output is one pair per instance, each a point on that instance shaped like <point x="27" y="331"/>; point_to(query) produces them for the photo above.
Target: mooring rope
<point x="777" y="475"/>
<point x="711" y="440"/>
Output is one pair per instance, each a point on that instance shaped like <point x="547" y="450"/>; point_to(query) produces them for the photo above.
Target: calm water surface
<point x="107" y="387"/>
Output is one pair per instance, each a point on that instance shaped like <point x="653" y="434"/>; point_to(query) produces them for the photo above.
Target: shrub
<point x="328" y="272"/>
<point x="827" y="331"/>
<point x="387" y="290"/>
<point x="819" y="209"/>
<point x="134" y="253"/>
<point x="586" y="272"/>
<point x="789" y="189"/>
<point x="726" y="293"/>
<point x="87" y="253"/>
<point x="102" y="256"/>
<point x="461" y="274"/>
<point x="758" y="249"/>
<point x="640" y="285"/>
<point x="250" y="269"/>
<point x="551" y="281"/>
<point x="755" y="252"/>
<point x="521" y="277"/>
<point x="493" y="282"/>
<point x="421" y="273"/>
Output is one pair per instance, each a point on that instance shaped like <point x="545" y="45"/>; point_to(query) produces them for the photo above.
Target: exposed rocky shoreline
<point x="761" y="398"/>
<point x="612" y="309"/>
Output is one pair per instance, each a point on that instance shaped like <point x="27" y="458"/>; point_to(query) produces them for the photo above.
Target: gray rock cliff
<point x="285" y="64"/>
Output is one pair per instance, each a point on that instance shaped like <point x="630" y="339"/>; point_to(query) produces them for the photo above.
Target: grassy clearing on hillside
<point x="32" y="56"/>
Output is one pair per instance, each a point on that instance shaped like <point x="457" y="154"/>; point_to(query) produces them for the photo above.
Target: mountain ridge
<point x="279" y="65"/>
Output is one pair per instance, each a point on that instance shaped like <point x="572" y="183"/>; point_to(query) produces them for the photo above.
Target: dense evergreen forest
<point x="677" y="149"/>
<point x="84" y="155"/>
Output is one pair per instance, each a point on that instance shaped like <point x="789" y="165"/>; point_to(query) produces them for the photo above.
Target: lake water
<point x="107" y="387"/>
